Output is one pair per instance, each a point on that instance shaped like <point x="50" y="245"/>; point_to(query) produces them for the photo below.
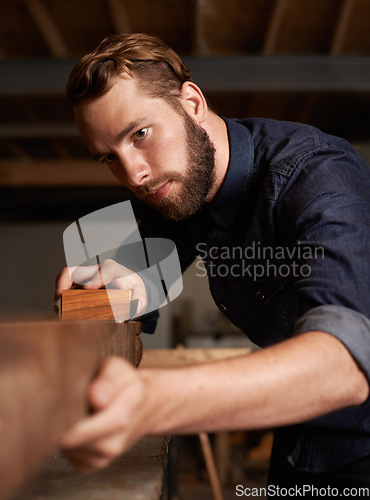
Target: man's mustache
<point x="155" y="184"/>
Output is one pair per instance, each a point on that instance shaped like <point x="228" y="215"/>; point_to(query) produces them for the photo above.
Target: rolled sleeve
<point x="347" y="325"/>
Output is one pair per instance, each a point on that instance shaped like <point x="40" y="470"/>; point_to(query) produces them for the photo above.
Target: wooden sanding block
<point x="79" y="304"/>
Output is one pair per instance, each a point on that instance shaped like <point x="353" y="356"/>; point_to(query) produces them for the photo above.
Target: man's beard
<point x="197" y="181"/>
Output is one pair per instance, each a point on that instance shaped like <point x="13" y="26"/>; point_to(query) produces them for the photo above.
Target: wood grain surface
<point x="80" y="304"/>
<point x="45" y="369"/>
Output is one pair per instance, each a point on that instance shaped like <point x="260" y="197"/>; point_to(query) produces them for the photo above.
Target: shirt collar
<point x="231" y="194"/>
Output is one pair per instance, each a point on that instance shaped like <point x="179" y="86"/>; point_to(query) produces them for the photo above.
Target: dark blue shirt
<point x="285" y="243"/>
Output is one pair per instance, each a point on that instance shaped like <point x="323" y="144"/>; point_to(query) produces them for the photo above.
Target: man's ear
<point x="193" y="101"/>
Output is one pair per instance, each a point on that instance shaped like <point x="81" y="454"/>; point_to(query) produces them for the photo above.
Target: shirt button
<point x="222" y="307"/>
<point x="260" y="295"/>
<point x="366" y="424"/>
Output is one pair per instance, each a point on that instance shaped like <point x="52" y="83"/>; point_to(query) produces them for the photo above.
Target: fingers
<point x="63" y="281"/>
<point x="90" y="430"/>
<point x="108" y="273"/>
<point x="69" y="276"/>
<point x="81" y="275"/>
<point x="125" y="279"/>
<point x="88" y="276"/>
<point x="96" y="441"/>
<point x="116" y="393"/>
<point x="84" y="463"/>
<point x="99" y="454"/>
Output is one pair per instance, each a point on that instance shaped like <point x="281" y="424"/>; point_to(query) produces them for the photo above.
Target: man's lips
<point x="159" y="193"/>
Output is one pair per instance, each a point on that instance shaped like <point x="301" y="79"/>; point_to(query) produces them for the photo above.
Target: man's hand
<point x="117" y="400"/>
<point x="108" y="273"/>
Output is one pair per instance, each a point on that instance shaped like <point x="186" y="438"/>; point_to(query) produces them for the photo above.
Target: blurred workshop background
<point x="301" y="60"/>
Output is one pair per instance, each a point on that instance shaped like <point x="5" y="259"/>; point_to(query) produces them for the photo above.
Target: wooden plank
<point x="55" y="173"/>
<point x="119" y="16"/>
<point x="19" y="37"/>
<point x="32" y="130"/>
<point x="172" y="21"/>
<point x="301" y="27"/>
<point x="47" y="28"/>
<point x="232" y="27"/>
<point x="341" y="29"/>
<point x="272" y="35"/>
<point x="82" y="24"/>
<point x="357" y="40"/>
<point x="80" y="304"/>
<point x="45" y="369"/>
<point x="200" y="41"/>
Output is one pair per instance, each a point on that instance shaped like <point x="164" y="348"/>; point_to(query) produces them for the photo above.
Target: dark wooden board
<point x="45" y="369"/>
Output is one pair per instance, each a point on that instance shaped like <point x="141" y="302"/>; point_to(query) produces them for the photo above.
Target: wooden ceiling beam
<point x="341" y="29"/>
<point x="61" y="172"/>
<point x="200" y="42"/>
<point x="119" y="16"/>
<point x="274" y="27"/>
<point x="47" y="28"/>
<point x="33" y="130"/>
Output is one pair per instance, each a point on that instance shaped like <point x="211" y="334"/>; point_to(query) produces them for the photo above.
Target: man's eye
<point x="140" y="134"/>
<point x="109" y="158"/>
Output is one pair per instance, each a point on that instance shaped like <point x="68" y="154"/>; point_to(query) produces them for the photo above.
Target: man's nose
<point x="136" y="170"/>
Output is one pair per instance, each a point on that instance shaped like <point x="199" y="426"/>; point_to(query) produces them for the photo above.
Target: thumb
<point x="87" y="275"/>
<point x="113" y="375"/>
<point x="139" y="295"/>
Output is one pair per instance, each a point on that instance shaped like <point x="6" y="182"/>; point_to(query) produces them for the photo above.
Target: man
<point x="284" y="209"/>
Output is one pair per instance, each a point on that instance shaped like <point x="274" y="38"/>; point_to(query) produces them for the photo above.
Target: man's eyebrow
<point x="131" y="126"/>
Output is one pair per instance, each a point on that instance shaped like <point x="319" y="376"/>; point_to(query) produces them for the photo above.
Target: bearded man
<point x="214" y="183"/>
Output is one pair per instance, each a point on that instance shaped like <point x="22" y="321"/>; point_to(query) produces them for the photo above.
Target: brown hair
<point x="159" y="70"/>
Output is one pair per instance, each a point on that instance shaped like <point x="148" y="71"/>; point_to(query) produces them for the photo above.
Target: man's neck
<point x="217" y="131"/>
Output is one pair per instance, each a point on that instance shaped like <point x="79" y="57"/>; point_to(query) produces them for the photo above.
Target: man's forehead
<point x="118" y="87"/>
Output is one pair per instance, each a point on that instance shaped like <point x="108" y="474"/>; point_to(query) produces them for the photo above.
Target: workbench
<point x="138" y="475"/>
